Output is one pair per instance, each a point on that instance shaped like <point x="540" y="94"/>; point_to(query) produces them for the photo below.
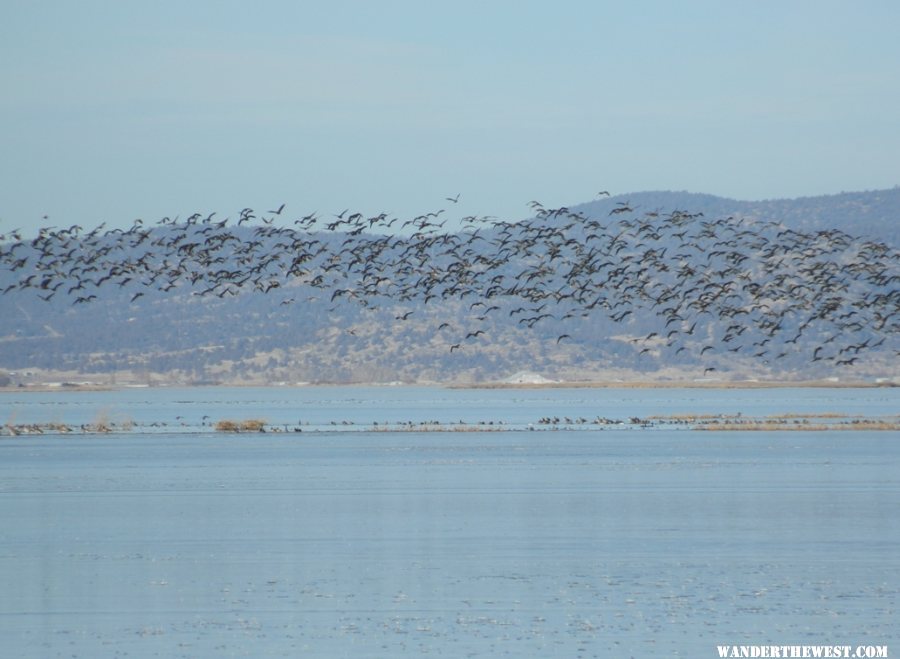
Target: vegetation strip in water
<point x="707" y="422"/>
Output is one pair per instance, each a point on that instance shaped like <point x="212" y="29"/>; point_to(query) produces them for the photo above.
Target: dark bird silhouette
<point x="748" y="288"/>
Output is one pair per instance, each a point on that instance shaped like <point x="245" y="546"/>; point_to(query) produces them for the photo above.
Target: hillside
<point x="872" y="214"/>
<point x="608" y="290"/>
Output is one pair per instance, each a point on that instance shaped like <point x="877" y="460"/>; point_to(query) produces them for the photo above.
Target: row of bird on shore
<point x="754" y="288"/>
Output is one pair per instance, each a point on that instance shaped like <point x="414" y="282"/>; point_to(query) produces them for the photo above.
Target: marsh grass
<point x="58" y="427"/>
<point x="794" y="421"/>
<point x="801" y="415"/>
<point x="691" y="417"/>
<point x="805" y="426"/>
<point x="765" y="426"/>
<point x="100" y="423"/>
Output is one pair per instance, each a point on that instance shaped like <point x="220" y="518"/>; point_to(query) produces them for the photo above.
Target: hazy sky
<point x="116" y="110"/>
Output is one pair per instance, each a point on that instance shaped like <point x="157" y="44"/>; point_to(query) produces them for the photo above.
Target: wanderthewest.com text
<point x="801" y="651"/>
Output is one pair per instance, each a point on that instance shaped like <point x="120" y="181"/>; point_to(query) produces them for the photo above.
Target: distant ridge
<point x="133" y="333"/>
<point x="872" y="213"/>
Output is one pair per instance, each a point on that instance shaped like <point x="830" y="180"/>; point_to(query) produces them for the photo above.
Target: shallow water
<point x="324" y="408"/>
<point x="579" y="543"/>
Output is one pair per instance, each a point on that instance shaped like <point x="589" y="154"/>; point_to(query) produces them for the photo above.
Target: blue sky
<point x="112" y="111"/>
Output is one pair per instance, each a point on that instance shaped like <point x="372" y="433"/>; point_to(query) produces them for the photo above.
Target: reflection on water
<point x="568" y="544"/>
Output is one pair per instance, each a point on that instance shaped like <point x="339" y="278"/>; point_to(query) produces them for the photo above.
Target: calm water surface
<point x="171" y="540"/>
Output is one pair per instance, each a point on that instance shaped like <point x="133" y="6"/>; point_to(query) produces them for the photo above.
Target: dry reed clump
<point x="101" y="423"/>
<point x="248" y="425"/>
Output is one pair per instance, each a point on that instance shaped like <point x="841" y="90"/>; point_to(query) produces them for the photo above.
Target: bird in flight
<point x="714" y="272"/>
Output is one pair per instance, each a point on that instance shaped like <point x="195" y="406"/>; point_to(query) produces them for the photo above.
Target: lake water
<point x="354" y="539"/>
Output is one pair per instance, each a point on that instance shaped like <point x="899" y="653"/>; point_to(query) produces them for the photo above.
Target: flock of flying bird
<point x="713" y="285"/>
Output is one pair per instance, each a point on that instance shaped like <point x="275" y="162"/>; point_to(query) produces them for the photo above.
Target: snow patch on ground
<point x="527" y="377"/>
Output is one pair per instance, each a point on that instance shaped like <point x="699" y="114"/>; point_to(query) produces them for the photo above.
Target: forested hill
<point x="647" y="286"/>
<point x="872" y="214"/>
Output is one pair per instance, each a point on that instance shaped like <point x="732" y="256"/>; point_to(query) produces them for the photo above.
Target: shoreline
<point x="66" y="386"/>
<point x="686" y="384"/>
